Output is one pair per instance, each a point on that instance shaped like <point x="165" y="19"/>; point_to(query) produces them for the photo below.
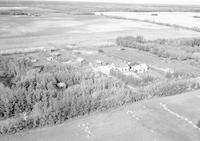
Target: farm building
<point x="133" y="67"/>
<point x="141" y="68"/>
<point x="138" y="68"/>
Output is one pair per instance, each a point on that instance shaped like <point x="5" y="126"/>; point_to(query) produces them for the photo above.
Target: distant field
<point x="184" y="19"/>
<point x="59" y="28"/>
<point x="78" y="7"/>
<point x="44" y="24"/>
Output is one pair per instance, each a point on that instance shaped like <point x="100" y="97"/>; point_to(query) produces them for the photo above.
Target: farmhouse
<point x="141" y="68"/>
<point x="55" y="54"/>
<point x="50" y="59"/>
<point x="61" y="85"/>
<point x="132" y="68"/>
<point x="138" y="68"/>
<point x="126" y="68"/>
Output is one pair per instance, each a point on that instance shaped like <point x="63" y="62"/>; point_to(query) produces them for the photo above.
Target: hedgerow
<point x="132" y="80"/>
<point x="159" y="47"/>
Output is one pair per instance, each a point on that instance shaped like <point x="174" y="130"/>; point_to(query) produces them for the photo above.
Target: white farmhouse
<point x="141" y="68"/>
<point x="61" y="85"/>
<point x="126" y="68"/>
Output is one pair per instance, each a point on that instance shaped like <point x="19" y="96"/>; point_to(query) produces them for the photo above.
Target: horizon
<point x="158" y="2"/>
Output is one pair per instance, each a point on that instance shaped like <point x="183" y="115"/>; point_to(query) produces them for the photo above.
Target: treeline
<point x="168" y="88"/>
<point x="191" y="42"/>
<point x="160" y="48"/>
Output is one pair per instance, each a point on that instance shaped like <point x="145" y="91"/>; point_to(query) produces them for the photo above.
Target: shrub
<point x="179" y="75"/>
<point x="132" y="80"/>
<point x="169" y="88"/>
<point x="129" y="41"/>
<point x="191" y="42"/>
<point x="12" y="69"/>
<point x="100" y="51"/>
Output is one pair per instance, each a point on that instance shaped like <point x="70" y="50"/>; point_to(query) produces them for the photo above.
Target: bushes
<point x="191" y="42"/>
<point x="132" y="80"/>
<point x="169" y="88"/>
<point x="100" y="51"/>
<point x="23" y="125"/>
<point x="179" y="75"/>
<point x="12" y="69"/>
<point x="129" y="41"/>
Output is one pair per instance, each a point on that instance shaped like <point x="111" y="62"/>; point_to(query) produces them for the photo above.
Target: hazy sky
<point x="148" y="1"/>
<point x="193" y="2"/>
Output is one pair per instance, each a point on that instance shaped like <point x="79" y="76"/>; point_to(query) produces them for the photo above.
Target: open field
<point x="77" y="30"/>
<point x="185" y="19"/>
<point x="68" y="73"/>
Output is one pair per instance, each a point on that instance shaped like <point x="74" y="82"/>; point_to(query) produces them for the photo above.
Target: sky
<point x="184" y="2"/>
<point x="148" y="1"/>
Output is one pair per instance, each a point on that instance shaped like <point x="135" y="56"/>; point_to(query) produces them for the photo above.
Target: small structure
<point x="24" y="115"/>
<point x="154" y="14"/>
<point x="50" y="59"/>
<point x="122" y="49"/>
<point x="131" y="68"/>
<point x="84" y="62"/>
<point x="196" y="55"/>
<point x="99" y="62"/>
<point x="79" y="59"/>
<point x="168" y="70"/>
<point x="98" y="13"/>
<point x="126" y="68"/>
<point x="55" y="54"/>
<point x="61" y="85"/>
<point x="113" y="66"/>
<point x="141" y="68"/>
<point x="34" y="60"/>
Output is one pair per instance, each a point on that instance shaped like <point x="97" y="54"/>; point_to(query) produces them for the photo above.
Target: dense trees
<point x="37" y="96"/>
<point x="132" y="80"/>
<point x="161" y="47"/>
<point x="34" y="99"/>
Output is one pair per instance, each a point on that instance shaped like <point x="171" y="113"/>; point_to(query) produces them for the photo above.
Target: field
<point x="81" y="68"/>
<point x="185" y="19"/>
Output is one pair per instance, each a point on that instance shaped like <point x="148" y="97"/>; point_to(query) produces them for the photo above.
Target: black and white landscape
<point x="99" y="71"/>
